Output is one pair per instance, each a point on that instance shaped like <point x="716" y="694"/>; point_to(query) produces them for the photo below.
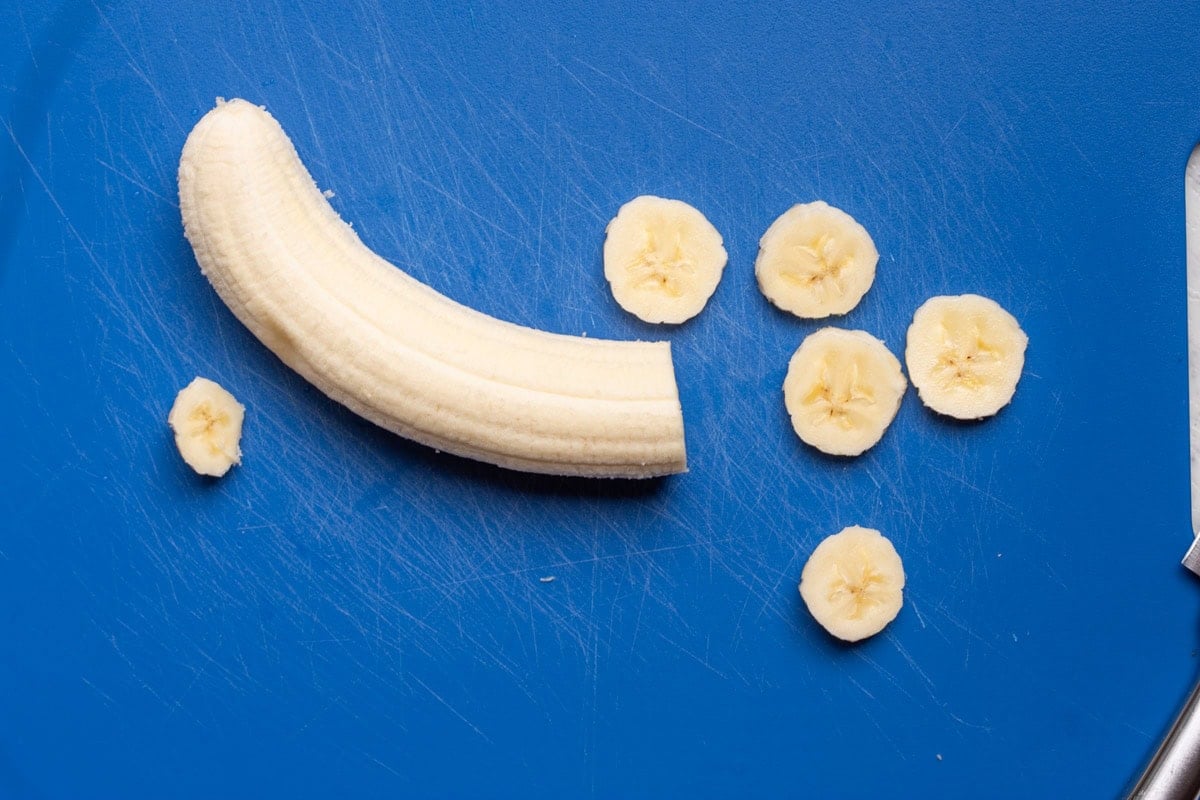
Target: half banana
<point x="842" y="390"/>
<point x="663" y="259"/>
<point x="394" y="350"/>
<point x="853" y="583"/>
<point x="965" y="355"/>
<point x="815" y="261"/>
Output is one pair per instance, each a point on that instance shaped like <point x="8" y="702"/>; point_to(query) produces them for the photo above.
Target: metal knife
<point x="1174" y="772"/>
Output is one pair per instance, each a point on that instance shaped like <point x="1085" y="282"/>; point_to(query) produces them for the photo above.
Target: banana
<point x="842" y="390"/>
<point x="394" y="350"/>
<point x="207" y="421"/>
<point x="815" y="261"/>
<point x="662" y="259"/>
<point x="853" y="583"/>
<point x="965" y="355"/>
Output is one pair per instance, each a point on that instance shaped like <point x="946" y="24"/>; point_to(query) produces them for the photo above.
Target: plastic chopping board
<point x="348" y="614"/>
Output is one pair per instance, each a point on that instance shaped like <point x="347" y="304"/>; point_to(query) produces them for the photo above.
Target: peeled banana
<point x="842" y="390"/>
<point x="395" y="351"/>
<point x="815" y="261"/>
<point x="965" y="355"/>
<point x="663" y="259"/>
<point x="853" y="583"/>
<point x="207" y="421"/>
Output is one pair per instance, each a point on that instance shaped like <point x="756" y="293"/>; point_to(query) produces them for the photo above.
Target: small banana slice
<point x="842" y="390"/>
<point x="853" y="583"/>
<point x="207" y="421"/>
<point x="965" y="355"/>
<point x="815" y="261"/>
<point x="662" y="259"/>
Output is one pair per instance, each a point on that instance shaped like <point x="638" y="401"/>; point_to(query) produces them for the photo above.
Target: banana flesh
<point x="815" y="261"/>
<point x="842" y="390"/>
<point x="853" y="583"/>
<point x="965" y="355"/>
<point x="207" y="421"/>
<point x="394" y="350"/>
<point x="663" y="259"/>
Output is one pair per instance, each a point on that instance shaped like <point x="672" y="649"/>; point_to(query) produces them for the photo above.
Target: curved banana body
<point x="394" y="350"/>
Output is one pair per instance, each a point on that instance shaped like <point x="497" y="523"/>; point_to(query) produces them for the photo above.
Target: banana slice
<point x="965" y="355"/>
<point x="207" y="421"/>
<point x="815" y="261"/>
<point x="842" y="390"/>
<point x="853" y="583"/>
<point x="663" y="259"/>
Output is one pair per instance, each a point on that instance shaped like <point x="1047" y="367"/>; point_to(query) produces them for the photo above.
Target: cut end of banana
<point x="207" y="421"/>
<point x="842" y="390"/>
<point x="815" y="261"/>
<point x="853" y="583"/>
<point x="663" y="259"/>
<point x="965" y="355"/>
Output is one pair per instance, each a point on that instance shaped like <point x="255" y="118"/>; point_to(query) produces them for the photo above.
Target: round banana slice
<point x="842" y="390"/>
<point x="965" y="355"/>
<point x="853" y="583"/>
<point x="663" y="259"/>
<point x="815" y="261"/>
<point x="207" y="421"/>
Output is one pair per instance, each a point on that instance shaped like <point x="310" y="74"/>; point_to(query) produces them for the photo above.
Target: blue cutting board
<point x="348" y="614"/>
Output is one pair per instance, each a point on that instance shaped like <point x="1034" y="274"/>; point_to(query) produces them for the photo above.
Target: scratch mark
<point x="107" y="698"/>
<point x="458" y="201"/>
<point x="912" y="663"/>
<point x="917" y="612"/>
<point x="451" y="709"/>
<point x="141" y="185"/>
<point x="980" y="491"/>
<point x="382" y="764"/>
<point x="964" y="723"/>
<point x="953" y="128"/>
<point x="565" y="564"/>
<point x="702" y="661"/>
<point x="135" y="68"/>
<point x="651" y="101"/>
<point x="46" y="188"/>
<point x="860" y="687"/>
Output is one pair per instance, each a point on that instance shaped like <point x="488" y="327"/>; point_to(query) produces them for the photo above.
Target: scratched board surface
<point x="349" y="614"/>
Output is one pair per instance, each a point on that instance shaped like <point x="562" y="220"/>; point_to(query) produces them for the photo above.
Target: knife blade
<point x="1191" y="199"/>
<point x="1174" y="771"/>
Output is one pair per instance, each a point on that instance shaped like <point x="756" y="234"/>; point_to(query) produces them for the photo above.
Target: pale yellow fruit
<point x="207" y="421"/>
<point x="663" y="259"/>
<point x="842" y="390"/>
<point x="815" y="261"/>
<point x="853" y="583"/>
<point x="394" y="350"/>
<point x="965" y="355"/>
